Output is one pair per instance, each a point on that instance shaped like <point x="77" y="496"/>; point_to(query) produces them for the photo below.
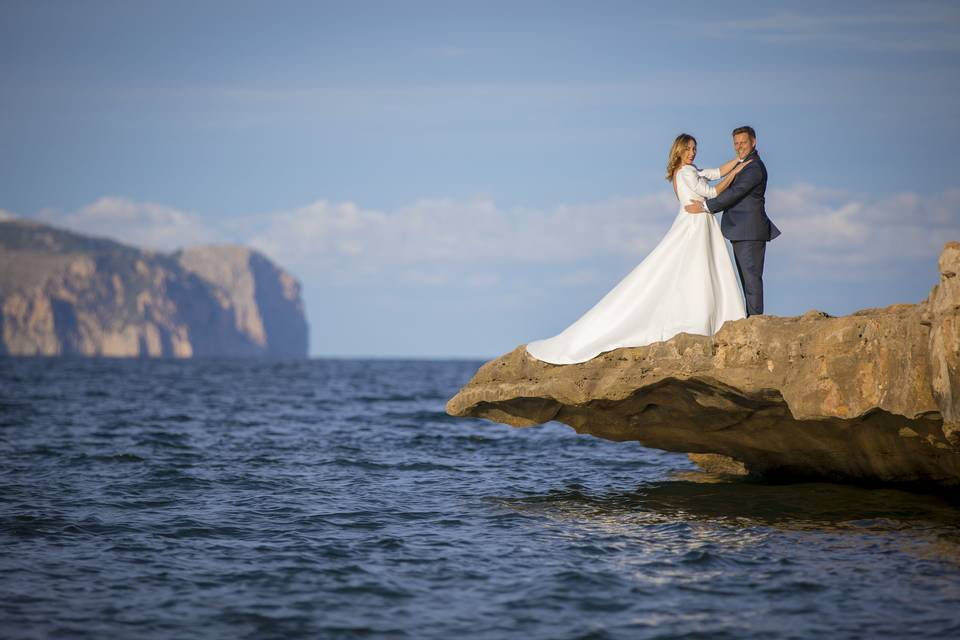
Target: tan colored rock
<point x="228" y="268"/>
<point x="869" y="396"/>
<point x="944" y="320"/>
<point x="263" y="299"/>
<point x="28" y="328"/>
<point x="123" y="343"/>
<point x="715" y="463"/>
<point x="180" y="346"/>
<point x="62" y="293"/>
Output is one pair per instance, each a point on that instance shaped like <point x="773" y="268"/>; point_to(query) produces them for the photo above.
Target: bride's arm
<point x="722" y="170"/>
<point x="710" y="174"/>
<point x="726" y="167"/>
<point x="722" y="186"/>
<point x="698" y="185"/>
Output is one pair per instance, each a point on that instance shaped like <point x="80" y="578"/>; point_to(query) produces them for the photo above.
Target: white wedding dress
<point x="686" y="284"/>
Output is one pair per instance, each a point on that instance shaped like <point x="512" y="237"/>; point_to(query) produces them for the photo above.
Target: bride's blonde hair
<point x="679" y="146"/>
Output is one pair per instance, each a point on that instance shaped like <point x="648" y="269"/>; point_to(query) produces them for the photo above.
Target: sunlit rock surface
<point x="63" y="293"/>
<point x="264" y="299"/>
<point x="872" y="396"/>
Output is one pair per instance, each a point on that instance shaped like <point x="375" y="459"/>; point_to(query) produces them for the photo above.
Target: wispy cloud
<point x="7" y="215"/>
<point x="862" y="237"/>
<point x="912" y="27"/>
<point x="144" y="224"/>
<point x="457" y="239"/>
<point x="827" y="233"/>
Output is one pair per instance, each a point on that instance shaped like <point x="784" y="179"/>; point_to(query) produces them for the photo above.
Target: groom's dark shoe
<point x="749" y="257"/>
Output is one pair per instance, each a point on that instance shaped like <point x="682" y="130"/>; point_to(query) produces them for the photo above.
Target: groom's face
<point x="743" y="145"/>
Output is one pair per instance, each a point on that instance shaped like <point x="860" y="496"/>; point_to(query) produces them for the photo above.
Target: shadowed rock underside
<point x="872" y="396"/>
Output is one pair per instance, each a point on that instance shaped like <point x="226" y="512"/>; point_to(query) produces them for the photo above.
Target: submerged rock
<point x="873" y="396"/>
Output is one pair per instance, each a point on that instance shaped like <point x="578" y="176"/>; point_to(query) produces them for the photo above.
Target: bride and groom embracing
<point x="687" y="283"/>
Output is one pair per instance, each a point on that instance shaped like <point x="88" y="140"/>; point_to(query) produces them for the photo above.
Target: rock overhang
<point x="871" y="396"/>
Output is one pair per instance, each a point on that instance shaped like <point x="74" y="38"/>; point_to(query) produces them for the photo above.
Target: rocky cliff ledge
<point x="63" y="293"/>
<point x="873" y="396"/>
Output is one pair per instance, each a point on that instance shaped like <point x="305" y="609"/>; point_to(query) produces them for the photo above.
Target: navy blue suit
<point x="746" y="225"/>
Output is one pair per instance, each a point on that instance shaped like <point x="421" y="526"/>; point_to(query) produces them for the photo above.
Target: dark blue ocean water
<point x="335" y="499"/>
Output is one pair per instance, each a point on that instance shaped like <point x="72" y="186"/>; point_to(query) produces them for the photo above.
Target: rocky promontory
<point x="63" y="293"/>
<point x="873" y="396"/>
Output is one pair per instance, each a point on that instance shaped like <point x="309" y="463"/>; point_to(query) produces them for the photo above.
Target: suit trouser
<point x="749" y="258"/>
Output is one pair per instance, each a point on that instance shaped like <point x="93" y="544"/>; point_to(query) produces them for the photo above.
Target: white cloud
<point x="7" y="215"/>
<point x="861" y="234"/>
<point x="440" y="240"/>
<point x="143" y="224"/>
<point x="827" y="233"/>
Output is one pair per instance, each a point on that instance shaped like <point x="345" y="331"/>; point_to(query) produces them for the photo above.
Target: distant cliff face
<point x="264" y="299"/>
<point x="63" y="293"/>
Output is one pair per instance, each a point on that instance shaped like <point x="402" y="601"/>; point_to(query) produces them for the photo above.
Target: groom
<point x="745" y="222"/>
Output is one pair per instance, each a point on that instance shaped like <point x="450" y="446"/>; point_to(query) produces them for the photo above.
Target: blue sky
<point x="456" y="178"/>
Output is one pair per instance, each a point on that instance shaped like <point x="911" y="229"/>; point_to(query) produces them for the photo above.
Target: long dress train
<point x="686" y="284"/>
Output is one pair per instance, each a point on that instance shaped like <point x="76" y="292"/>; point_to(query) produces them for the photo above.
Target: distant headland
<point x="67" y="294"/>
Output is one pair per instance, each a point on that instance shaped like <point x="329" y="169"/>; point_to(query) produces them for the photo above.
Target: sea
<point x="331" y="498"/>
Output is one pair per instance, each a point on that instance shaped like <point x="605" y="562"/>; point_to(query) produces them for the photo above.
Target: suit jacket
<point x="742" y="203"/>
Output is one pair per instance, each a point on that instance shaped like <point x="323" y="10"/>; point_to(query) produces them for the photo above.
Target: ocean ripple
<point x="336" y="499"/>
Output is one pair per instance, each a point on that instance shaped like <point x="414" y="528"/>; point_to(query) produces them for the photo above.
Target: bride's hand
<point x="740" y="166"/>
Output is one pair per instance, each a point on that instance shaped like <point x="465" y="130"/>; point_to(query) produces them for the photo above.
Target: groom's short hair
<point x="745" y="129"/>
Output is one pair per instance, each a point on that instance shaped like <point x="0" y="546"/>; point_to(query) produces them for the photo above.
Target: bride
<point x="686" y="284"/>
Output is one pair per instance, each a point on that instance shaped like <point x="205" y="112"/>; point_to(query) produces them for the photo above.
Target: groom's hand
<point x="694" y="207"/>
